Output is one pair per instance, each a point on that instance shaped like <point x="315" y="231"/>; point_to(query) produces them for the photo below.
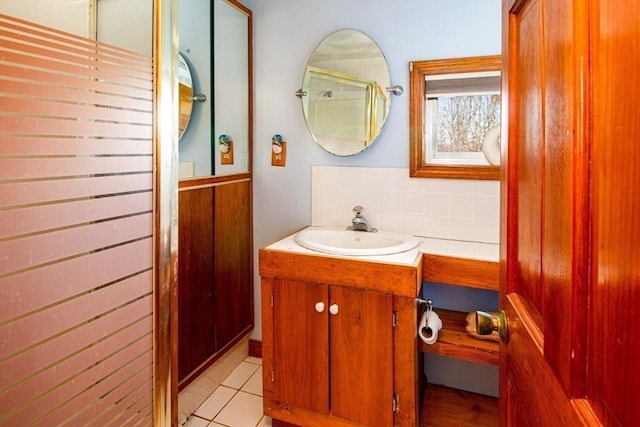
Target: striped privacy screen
<point x="76" y="225"/>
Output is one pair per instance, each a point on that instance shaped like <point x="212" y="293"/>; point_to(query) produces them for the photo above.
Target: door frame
<point x="165" y="50"/>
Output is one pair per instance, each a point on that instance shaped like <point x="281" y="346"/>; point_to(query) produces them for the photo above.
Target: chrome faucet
<point x="359" y="222"/>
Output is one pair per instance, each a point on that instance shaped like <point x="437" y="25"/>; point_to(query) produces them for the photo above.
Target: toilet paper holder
<point x="427" y="302"/>
<point x="429" y="324"/>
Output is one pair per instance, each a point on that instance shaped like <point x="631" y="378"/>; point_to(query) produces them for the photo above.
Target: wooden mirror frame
<point x="418" y="70"/>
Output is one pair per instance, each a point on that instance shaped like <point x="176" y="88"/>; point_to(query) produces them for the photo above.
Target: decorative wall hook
<point x="225" y="143"/>
<point x="278" y="150"/>
<point x="396" y="90"/>
<point x="201" y="97"/>
<point x="276" y="143"/>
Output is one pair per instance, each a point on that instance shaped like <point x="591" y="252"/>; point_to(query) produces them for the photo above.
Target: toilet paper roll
<point x="429" y="326"/>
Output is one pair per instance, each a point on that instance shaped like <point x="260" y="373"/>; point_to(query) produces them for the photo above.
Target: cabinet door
<point x="196" y="305"/>
<point x="301" y="345"/>
<point x="232" y="262"/>
<point x="361" y="336"/>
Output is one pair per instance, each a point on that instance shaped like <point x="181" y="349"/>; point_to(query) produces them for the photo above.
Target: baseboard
<point x="255" y="348"/>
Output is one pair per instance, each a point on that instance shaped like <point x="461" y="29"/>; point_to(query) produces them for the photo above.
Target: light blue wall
<point x="194" y="28"/>
<point x="285" y="34"/>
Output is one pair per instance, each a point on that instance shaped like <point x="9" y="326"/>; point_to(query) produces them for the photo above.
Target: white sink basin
<point x="338" y="241"/>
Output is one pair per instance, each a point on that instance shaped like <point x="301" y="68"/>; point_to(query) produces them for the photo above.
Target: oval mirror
<point x="345" y="97"/>
<point x="185" y="85"/>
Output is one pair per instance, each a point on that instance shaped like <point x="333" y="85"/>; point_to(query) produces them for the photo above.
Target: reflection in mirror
<point x="185" y="85"/>
<point x="455" y="118"/>
<point x="231" y="85"/>
<point x="345" y="92"/>
<point x="220" y="67"/>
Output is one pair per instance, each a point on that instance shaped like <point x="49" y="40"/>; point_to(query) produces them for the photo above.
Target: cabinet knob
<point x="319" y="307"/>
<point x="333" y="309"/>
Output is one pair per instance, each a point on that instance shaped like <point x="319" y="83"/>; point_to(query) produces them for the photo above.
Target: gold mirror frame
<point x="418" y="166"/>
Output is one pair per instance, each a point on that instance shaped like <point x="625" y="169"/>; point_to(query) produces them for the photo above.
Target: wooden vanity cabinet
<point x="333" y="350"/>
<point x="339" y="341"/>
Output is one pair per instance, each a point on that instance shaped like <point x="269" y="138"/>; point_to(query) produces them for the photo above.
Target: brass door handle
<point x="487" y="323"/>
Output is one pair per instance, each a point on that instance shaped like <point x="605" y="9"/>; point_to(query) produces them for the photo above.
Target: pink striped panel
<point x="76" y="227"/>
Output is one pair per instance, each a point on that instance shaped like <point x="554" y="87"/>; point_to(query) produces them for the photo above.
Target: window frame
<point x="418" y="162"/>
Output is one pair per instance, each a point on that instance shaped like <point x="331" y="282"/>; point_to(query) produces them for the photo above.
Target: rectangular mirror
<point x="215" y="40"/>
<point x="455" y="118"/>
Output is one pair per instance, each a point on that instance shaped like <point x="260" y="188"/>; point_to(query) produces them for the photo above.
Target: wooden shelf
<point x="453" y="341"/>
<point x="470" y="273"/>
<point x="445" y="407"/>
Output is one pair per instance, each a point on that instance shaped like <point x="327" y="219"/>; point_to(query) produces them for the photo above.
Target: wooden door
<point x="196" y="304"/>
<point x="232" y="270"/>
<point x="361" y="356"/>
<point x="570" y="250"/>
<point x="614" y="328"/>
<point x="301" y="345"/>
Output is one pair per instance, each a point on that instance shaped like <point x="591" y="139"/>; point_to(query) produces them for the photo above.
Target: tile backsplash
<point x="456" y="217"/>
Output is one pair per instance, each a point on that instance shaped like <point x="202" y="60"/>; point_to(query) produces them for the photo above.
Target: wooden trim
<point x="400" y="280"/>
<point x="418" y="168"/>
<point x="208" y="181"/>
<point x="255" y="348"/>
<point x="461" y="271"/>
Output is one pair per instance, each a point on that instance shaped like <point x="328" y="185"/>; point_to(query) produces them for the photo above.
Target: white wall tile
<point x="393" y="178"/>
<point x="485" y="206"/>
<point x="461" y="205"/>
<point x="437" y="204"/>
<point x="487" y="251"/>
<point x="369" y="178"/>
<point x="447" y="209"/>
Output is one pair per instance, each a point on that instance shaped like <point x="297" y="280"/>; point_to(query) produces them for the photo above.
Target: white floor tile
<point x="199" y="390"/>
<point x="196" y="422"/>
<point x="254" y="384"/>
<point x="240" y="375"/>
<point x="265" y="422"/>
<point x="214" y="403"/>
<point x="244" y="410"/>
<point x="254" y="360"/>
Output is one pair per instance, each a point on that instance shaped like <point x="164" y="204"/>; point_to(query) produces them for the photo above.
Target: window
<point x="455" y="105"/>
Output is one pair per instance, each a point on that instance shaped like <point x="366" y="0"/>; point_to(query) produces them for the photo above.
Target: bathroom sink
<point x="339" y="241"/>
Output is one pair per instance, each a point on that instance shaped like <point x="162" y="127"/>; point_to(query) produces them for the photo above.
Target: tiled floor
<point x="237" y="402"/>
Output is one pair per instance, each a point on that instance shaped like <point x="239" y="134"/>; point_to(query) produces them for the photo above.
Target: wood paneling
<point x="196" y="299"/>
<point x="233" y="269"/>
<point x="215" y="290"/>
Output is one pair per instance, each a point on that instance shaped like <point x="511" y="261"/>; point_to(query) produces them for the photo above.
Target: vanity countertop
<point x="409" y="258"/>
